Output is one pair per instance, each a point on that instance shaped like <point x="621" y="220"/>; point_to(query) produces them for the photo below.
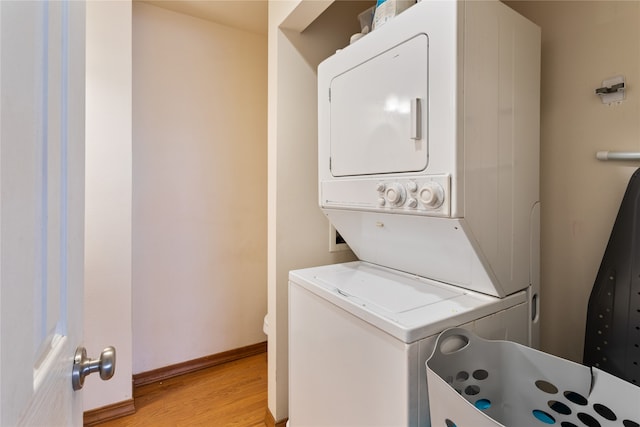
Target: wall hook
<point x="612" y="90"/>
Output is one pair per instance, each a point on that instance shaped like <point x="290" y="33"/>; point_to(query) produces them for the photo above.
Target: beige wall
<point x="299" y="232"/>
<point x="199" y="187"/>
<point x="107" y="311"/>
<point x="583" y="43"/>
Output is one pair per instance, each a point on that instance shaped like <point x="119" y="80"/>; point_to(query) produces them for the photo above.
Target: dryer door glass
<point x="379" y="113"/>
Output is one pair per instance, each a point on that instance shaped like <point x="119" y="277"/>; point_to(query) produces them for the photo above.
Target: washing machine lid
<point x="406" y="306"/>
<point x="383" y="290"/>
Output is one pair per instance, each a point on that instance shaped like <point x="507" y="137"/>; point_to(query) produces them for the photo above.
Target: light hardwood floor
<point x="232" y="394"/>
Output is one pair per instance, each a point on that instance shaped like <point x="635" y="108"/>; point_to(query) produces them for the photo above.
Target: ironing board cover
<point x="612" y="338"/>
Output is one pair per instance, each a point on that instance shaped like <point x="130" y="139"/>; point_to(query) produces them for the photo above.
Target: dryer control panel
<point x="422" y="195"/>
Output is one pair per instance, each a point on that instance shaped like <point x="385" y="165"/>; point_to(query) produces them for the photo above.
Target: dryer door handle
<point x="416" y="119"/>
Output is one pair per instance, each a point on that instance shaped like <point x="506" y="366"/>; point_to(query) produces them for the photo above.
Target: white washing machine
<point x="429" y="168"/>
<point x="360" y="335"/>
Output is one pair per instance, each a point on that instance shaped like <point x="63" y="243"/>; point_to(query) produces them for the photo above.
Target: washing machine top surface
<point x="406" y="306"/>
<point x="382" y="289"/>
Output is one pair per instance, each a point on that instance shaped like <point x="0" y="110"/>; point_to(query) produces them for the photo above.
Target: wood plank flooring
<point x="232" y="394"/>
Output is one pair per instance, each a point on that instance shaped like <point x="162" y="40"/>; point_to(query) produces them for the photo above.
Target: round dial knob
<point x="431" y="195"/>
<point x="380" y="187"/>
<point x="412" y="203"/>
<point x="412" y="186"/>
<point x="395" y="194"/>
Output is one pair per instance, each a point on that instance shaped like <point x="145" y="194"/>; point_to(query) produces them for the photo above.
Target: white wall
<point x="199" y="187"/>
<point x="583" y="43"/>
<point x="298" y="231"/>
<point x="108" y="197"/>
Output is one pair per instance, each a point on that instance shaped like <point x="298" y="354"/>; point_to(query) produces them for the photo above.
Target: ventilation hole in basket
<point x="588" y="420"/>
<point x="449" y="423"/>
<point x="449" y="379"/>
<point x="576" y="398"/>
<point x="483" y="404"/>
<point x="480" y="374"/>
<point x="605" y="412"/>
<point x="472" y="390"/>
<point x="559" y="407"/>
<point x="453" y="344"/>
<point x="567" y="424"/>
<point x="543" y="416"/>
<point x="547" y="387"/>
<point x="629" y="423"/>
<point x="462" y="376"/>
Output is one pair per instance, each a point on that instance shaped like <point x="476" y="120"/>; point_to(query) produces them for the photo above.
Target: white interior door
<point x="41" y="209"/>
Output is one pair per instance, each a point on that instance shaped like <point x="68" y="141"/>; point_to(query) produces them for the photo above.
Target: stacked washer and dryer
<point x="429" y="169"/>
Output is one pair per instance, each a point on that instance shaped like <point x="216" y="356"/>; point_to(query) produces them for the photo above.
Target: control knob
<point x="431" y="195"/>
<point x="395" y="194"/>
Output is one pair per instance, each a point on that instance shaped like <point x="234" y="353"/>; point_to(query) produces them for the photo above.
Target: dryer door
<point x="379" y="113"/>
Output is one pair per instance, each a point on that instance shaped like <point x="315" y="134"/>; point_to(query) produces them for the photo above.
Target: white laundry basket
<point x="474" y="382"/>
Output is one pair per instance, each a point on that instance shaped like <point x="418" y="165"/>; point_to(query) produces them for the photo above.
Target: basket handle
<point x="453" y="340"/>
